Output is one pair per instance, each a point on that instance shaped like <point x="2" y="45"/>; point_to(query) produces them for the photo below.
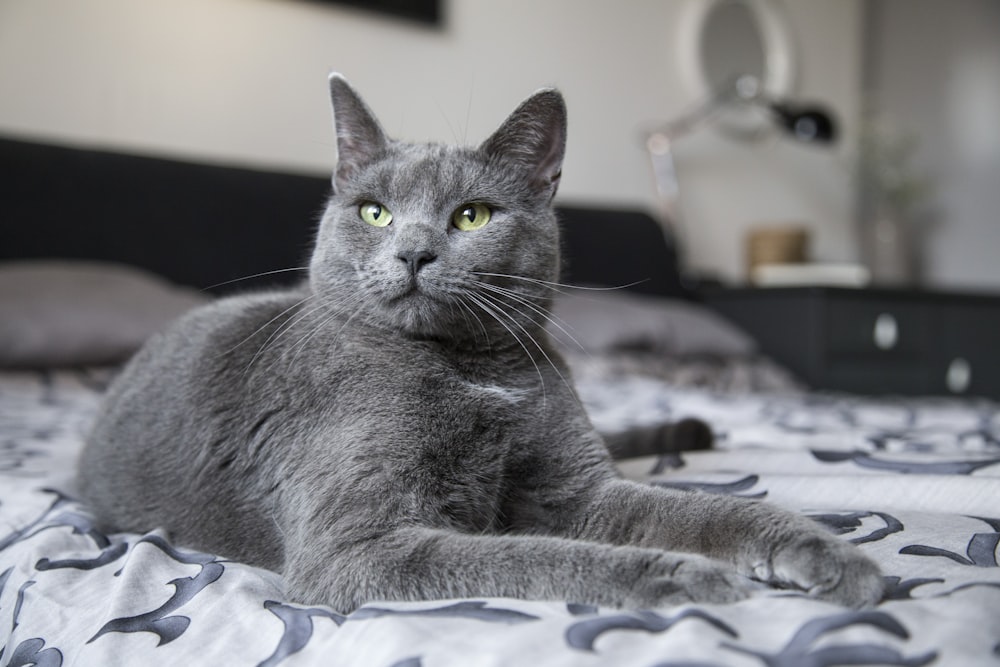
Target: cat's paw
<point x="827" y="568"/>
<point x="680" y="578"/>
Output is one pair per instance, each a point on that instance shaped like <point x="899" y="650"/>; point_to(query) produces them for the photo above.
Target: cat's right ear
<point x="533" y="138"/>
<point x="360" y="139"/>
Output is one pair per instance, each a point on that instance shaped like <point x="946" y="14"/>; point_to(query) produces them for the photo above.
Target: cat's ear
<point x="360" y="138"/>
<point x="534" y="139"/>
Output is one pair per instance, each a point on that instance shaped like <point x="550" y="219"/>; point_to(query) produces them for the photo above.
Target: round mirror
<point x="740" y="48"/>
<point x="731" y="46"/>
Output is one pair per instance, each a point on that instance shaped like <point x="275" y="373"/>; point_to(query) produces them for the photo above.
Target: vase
<point x="888" y="247"/>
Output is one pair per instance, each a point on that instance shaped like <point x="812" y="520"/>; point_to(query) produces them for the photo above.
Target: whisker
<point x="468" y="110"/>
<point x="491" y="310"/>
<point x="550" y="317"/>
<point x="482" y="325"/>
<point x="265" y="325"/>
<point x="457" y="298"/>
<point x="254" y="275"/>
<point x="499" y="304"/>
<point x="292" y="323"/>
<point x="554" y="286"/>
<point x="465" y="311"/>
<point x="280" y="331"/>
<point x="525" y="294"/>
<point x="337" y="309"/>
<point x="447" y="121"/>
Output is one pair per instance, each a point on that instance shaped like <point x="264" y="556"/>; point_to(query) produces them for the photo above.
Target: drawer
<point x="875" y="341"/>
<point x="876" y="329"/>
<point x="886" y="377"/>
<point x="965" y="359"/>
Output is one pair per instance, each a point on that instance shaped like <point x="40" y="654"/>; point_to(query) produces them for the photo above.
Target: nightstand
<point x="874" y="341"/>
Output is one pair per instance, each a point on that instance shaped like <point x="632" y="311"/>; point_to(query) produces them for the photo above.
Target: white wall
<point x="935" y="71"/>
<point x="244" y="81"/>
<point x="729" y="187"/>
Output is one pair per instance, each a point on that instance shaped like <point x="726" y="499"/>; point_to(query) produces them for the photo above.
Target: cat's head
<point x="442" y="241"/>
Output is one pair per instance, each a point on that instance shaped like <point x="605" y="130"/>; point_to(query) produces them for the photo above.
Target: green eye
<point x="471" y="216"/>
<point x="375" y="214"/>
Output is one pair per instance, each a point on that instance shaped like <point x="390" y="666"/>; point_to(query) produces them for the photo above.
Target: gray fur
<point x="388" y="433"/>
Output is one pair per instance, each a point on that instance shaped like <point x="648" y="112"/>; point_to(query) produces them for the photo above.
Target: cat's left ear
<point x="360" y="139"/>
<point x="533" y="138"/>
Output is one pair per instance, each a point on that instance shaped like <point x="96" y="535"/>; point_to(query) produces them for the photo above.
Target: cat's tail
<point x="666" y="438"/>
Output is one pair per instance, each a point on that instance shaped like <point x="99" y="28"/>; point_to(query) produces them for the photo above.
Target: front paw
<point x="827" y="568"/>
<point x="680" y="578"/>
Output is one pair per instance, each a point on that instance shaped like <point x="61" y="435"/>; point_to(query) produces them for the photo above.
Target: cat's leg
<point x="419" y="563"/>
<point x="763" y="542"/>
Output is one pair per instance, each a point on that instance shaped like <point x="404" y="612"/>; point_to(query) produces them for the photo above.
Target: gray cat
<point x="400" y="428"/>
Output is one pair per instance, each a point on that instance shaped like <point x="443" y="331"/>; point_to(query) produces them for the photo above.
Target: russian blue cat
<point x="399" y="427"/>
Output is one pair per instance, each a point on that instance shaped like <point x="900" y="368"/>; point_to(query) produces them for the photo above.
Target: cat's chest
<point x="444" y="433"/>
<point x="490" y="393"/>
<point x="444" y="407"/>
<point x="424" y="376"/>
<point x="452" y="435"/>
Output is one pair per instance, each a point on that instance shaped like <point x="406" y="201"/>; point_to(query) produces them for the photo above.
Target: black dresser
<point x="874" y="341"/>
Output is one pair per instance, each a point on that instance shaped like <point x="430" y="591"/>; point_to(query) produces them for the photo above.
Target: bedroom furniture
<point x="196" y="224"/>
<point x="722" y="42"/>
<point x="913" y="482"/>
<point x="737" y="56"/>
<point x="426" y="12"/>
<point x="222" y="228"/>
<point x="874" y="341"/>
<point x="744" y="96"/>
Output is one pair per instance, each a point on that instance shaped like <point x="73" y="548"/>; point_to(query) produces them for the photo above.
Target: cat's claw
<point x="827" y="568"/>
<point x="690" y="578"/>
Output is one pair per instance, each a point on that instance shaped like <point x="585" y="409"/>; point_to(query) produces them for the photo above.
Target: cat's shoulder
<point x="232" y="316"/>
<point x="244" y="306"/>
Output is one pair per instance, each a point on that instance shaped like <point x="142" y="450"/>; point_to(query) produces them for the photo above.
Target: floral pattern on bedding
<point x="915" y="483"/>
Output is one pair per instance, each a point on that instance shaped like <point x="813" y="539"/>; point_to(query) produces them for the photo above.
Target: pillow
<point x="76" y="313"/>
<point x="602" y="320"/>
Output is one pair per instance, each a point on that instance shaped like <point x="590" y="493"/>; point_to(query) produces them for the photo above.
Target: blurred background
<point x="913" y="86"/>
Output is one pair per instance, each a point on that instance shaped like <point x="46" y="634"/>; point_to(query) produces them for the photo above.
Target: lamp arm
<point x="689" y="121"/>
<point x="744" y="89"/>
<point x="806" y="124"/>
<point x="659" y="146"/>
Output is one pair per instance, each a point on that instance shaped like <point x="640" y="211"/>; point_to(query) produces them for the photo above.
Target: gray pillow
<point x="75" y="313"/>
<point x="602" y="320"/>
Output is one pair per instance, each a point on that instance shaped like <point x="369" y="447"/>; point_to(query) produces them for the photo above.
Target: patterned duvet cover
<point x="915" y="483"/>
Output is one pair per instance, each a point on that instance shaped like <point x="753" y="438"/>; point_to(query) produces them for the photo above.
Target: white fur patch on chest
<point x="507" y="394"/>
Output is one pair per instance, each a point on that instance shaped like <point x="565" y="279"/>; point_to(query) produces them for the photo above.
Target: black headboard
<point x="617" y="248"/>
<point x="196" y="224"/>
<point x="202" y="225"/>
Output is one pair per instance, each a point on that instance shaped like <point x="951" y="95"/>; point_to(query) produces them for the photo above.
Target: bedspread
<point x="915" y="483"/>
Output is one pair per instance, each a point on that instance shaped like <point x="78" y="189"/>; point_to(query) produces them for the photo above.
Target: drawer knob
<point x="886" y="332"/>
<point x="959" y="376"/>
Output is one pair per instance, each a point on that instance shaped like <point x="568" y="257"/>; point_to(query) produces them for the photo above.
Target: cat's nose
<point x="416" y="259"/>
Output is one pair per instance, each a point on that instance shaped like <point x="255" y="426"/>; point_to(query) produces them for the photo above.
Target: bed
<point x="99" y="249"/>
